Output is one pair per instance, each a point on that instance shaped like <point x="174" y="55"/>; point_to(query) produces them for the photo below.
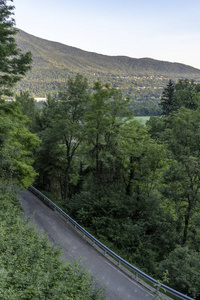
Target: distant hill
<point x="142" y="79"/>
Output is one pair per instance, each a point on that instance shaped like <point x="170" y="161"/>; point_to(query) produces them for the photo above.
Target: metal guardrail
<point x="106" y="250"/>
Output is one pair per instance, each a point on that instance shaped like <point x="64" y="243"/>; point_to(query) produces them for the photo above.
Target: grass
<point x="142" y="119"/>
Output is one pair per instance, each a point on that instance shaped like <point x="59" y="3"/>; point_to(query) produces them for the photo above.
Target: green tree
<point x="100" y="202"/>
<point x="142" y="158"/>
<point x="63" y="133"/>
<point x="13" y="63"/>
<point x="156" y="126"/>
<point x="29" y="109"/>
<point x="104" y="117"/>
<point x="144" y="161"/>
<point x="16" y="145"/>
<point x="184" y="277"/>
<point x="187" y="94"/>
<point x="32" y="268"/>
<point x="167" y="102"/>
<point x="183" y="175"/>
<point x="184" y="93"/>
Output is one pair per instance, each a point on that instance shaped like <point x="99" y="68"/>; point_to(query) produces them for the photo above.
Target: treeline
<point x="135" y="187"/>
<point x="143" y="91"/>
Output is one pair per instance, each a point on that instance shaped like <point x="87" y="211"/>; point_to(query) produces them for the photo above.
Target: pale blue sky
<point x="165" y="30"/>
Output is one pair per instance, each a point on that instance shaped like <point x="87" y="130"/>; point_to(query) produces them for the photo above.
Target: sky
<point x="167" y="30"/>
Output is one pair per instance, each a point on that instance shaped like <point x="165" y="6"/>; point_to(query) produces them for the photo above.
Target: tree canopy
<point x="175" y="95"/>
<point x="16" y="146"/>
<point x="30" y="268"/>
<point x="13" y="63"/>
<point x="134" y="187"/>
<point x="16" y="141"/>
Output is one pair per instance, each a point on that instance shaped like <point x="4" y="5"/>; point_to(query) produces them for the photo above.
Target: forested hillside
<point x="135" y="187"/>
<point x="140" y="79"/>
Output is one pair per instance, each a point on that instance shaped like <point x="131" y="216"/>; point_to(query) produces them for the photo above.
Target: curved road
<point x="119" y="286"/>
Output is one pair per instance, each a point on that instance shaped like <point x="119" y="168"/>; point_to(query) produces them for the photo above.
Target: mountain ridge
<point x="54" y="62"/>
<point x="61" y="48"/>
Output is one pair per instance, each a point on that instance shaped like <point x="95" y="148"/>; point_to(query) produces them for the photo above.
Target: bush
<point x="31" y="268"/>
<point x="183" y="265"/>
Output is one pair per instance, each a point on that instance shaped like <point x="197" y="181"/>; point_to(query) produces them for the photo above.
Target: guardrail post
<point x="119" y="263"/>
<point x="105" y="252"/>
<point x="136" y="276"/>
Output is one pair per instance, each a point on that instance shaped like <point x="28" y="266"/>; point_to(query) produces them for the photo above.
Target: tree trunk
<point x="131" y="176"/>
<point x="97" y="155"/>
<point x="187" y="219"/>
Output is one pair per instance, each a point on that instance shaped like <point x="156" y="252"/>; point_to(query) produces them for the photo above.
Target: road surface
<point x="119" y="285"/>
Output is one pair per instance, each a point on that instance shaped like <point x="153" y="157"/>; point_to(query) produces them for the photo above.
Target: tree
<point x="62" y="134"/>
<point x="32" y="268"/>
<point x="184" y="277"/>
<point x="13" y="63"/>
<point x="142" y="159"/>
<point x="187" y="94"/>
<point x="101" y="201"/>
<point x="28" y="108"/>
<point x="184" y="93"/>
<point x="16" y="146"/>
<point x="167" y="102"/>
<point x="48" y="153"/>
<point x="16" y="142"/>
<point x="104" y="117"/>
<point x="182" y="178"/>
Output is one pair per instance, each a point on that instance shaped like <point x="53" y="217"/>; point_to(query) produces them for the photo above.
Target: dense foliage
<point x="16" y="141"/>
<point x="135" y="187"/>
<point x="184" y="93"/>
<point x="13" y="64"/>
<point x="31" y="268"/>
<point x="16" y="146"/>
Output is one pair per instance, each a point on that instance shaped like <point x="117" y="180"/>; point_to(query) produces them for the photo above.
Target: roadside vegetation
<point x="135" y="187"/>
<point x="30" y="268"/>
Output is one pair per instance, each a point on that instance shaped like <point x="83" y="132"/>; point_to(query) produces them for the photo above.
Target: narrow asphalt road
<point x="119" y="286"/>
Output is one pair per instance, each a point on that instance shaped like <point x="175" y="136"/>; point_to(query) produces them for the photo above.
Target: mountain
<point x="141" y="79"/>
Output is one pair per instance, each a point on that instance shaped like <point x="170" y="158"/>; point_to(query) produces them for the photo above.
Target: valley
<point x="142" y="80"/>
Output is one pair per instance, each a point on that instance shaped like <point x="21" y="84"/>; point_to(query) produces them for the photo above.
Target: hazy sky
<point x="161" y="29"/>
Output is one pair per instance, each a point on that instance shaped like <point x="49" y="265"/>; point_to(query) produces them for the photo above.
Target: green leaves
<point x="185" y="93"/>
<point x="135" y="187"/>
<point x="31" y="268"/>
<point x="183" y="176"/>
<point x="16" y="146"/>
<point x="13" y="64"/>
<point x="167" y="102"/>
<point x="183" y="265"/>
